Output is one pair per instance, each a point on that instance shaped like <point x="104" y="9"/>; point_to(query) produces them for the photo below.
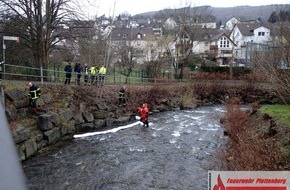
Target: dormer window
<point x="139" y="36"/>
<point x="261" y="33"/>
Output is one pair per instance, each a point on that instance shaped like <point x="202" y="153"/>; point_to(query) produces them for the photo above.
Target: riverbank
<point x="257" y="141"/>
<point x="67" y="110"/>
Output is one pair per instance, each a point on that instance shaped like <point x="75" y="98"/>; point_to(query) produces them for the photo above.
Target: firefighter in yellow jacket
<point x="34" y="94"/>
<point x="102" y="73"/>
<point x="92" y="71"/>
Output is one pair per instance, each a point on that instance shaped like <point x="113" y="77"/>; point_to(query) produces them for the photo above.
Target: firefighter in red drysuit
<point x="144" y="113"/>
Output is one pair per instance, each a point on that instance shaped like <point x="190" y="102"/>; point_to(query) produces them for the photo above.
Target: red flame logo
<point x="220" y="185"/>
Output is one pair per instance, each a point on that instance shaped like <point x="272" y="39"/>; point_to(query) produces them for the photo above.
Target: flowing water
<point x="175" y="152"/>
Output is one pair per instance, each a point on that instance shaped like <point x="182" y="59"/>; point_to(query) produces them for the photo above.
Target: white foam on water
<point x="172" y="141"/>
<point x="206" y="153"/>
<point x="103" y="138"/>
<point x="176" y="134"/>
<point x="187" y="131"/>
<point x="137" y="149"/>
<point x="177" y="146"/>
<point x="210" y="127"/>
<point x="202" y="112"/>
<point x="157" y="128"/>
<point x="195" y="150"/>
<point x="222" y="110"/>
<point x="79" y="163"/>
<point x="156" y="135"/>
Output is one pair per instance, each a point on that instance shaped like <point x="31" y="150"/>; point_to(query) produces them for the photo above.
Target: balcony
<point x="225" y="53"/>
<point x="213" y="48"/>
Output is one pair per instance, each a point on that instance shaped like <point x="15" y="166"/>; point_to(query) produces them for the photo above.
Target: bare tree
<point x="272" y="60"/>
<point x="188" y="20"/>
<point x="43" y="21"/>
<point x="137" y="45"/>
<point x="124" y="56"/>
<point x="90" y="43"/>
<point x="166" y="46"/>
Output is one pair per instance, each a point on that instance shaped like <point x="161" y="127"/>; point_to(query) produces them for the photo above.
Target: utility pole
<point x="2" y="94"/>
<point x="13" y="38"/>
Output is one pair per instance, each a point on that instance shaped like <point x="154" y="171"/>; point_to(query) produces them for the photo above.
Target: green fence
<point x="113" y="76"/>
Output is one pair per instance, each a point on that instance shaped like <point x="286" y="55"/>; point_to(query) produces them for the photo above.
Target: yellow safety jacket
<point x="34" y="92"/>
<point x="93" y="70"/>
<point x="102" y="71"/>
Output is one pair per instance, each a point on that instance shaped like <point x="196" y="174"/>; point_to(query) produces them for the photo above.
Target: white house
<point x="169" y="24"/>
<point x="244" y="34"/>
<point x="223" y="47"/>
<point x="231" y="23"/>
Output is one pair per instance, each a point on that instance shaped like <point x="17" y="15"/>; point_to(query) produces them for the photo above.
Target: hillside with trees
<point x="223" y="14"/>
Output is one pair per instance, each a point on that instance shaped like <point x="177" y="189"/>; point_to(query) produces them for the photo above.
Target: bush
<point x="248" y="148"/>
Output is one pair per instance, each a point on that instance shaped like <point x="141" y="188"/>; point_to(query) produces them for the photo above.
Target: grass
<point x="12" y="85"/>
<point x="281" y="112"/>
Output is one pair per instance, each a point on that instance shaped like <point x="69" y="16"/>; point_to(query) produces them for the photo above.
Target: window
<point x="261" y="33"/>
<point x="224" y="42"/>
<point x="139" y="36"/>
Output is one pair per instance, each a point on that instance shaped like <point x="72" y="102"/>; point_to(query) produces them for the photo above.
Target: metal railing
<point x="25" y="73"/>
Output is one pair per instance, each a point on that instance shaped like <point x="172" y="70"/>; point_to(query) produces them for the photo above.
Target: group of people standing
<point x="92" y="75"/>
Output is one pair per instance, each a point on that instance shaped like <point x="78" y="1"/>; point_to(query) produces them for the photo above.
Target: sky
<point x="100" y="7"/>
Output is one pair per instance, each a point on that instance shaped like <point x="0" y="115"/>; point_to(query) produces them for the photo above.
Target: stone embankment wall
<point x="32" y="132"/>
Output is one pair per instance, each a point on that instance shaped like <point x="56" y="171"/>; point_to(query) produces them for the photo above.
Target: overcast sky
<point x="100" y="7"/>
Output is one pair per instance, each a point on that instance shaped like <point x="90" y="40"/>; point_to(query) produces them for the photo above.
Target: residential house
<point x="121" y="24"/>
<point x="246" y="35"/>
<point x="103" y="21"/>
<point x="183" y="43"/>
<point x="222" y="47"/>
<point x="169" y="24"/>
<point x="231" y="23"/>
<point x="133" y="23"/>
<point x="214" y="45"/>
<point x="143" y="23"/>
<point x="205" y="22"/>
<point x="140" y="42"/>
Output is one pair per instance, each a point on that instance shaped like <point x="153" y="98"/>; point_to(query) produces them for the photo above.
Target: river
<point x="175" y="152"/>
